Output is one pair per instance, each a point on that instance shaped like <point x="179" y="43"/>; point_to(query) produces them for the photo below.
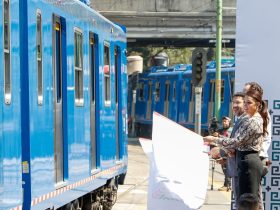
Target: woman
<point x="247" y="142"/>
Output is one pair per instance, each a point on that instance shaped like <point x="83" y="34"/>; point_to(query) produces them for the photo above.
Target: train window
<point x="191" y="92"/>
<point x="57" y="61"/>
<point x="39" y="57"/>
<point x="212" y="91"/>
<point x="174" y="91"/>
<point x="231" y="89"/>
<point x="150" y="91"/>
<point x="7" y="55"/>
<point x="222" y="90"/>
<point x="78" y="58"/>
<point x="141" y="92"/>
<point x="167" y="90"/>
<point x="107" y="75"/>
<point x="92" y="65"/>
<point x="117" y="66"/>
<point x="157" y="91"/>
<point x="184" y="91"/>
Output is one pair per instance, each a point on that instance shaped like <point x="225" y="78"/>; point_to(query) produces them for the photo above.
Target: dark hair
<point x="226" y="118"/>
<point x="255" y="86"/>
<point x="238" y="94"/>
<point x="256" y="95"/>
<point x="248" y="201"/>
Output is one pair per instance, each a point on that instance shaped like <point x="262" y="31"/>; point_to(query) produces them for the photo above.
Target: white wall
<point x="258" y="44"/>
<point x="258" y="59"/>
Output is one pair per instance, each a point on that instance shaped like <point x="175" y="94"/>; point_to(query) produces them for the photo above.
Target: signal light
<point x="198" y="66"/>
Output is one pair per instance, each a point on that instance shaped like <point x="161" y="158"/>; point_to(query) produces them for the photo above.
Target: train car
<point x="63" y="106"/>
<point x="169" y="91"/>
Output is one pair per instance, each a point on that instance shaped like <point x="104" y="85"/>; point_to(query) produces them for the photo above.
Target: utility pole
<point x="197" y="125"/>
<point x="219" y="27"/>
<point x="198" y="78"/>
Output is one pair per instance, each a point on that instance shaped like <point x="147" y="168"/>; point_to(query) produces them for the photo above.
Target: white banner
<point x="179" y="167"/>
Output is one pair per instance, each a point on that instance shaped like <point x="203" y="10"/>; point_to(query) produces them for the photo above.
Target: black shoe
<point x="224" y="188"/>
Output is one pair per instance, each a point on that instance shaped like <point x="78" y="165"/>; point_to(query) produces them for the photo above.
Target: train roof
<point x="85" y="13"/>
<point x="227" y="65"/>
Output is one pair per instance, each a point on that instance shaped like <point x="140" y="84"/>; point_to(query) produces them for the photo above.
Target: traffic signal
<point x="198" y="66"/>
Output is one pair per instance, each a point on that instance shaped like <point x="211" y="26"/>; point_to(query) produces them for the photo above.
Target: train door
<point x="211" y="99"/>
<point x="93" y="51"/>
<point x="166" y="99"/>
<point x="149" y="101"/>
<point x="118" y="108"/>
<point x="58" y="99"/>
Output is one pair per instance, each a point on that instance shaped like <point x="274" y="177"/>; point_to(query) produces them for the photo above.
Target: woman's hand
<point x="209" y="139"/>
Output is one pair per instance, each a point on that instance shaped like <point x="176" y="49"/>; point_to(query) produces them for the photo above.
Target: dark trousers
<point x="227" y="180"/>
<point x="250" y="170"/>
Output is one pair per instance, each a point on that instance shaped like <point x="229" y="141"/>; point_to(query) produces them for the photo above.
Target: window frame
<point x="39" y="58"/>
<point x="107" y="77"/>
<point x="222" y="90"/>
<point x="7" y="52"/>
<point x="150" y="90"/>
<point x="92" y="62"/>
<point x="117" y="54"/>
<point x="141" y="87"/>
<point x="157" y="91"/>
<point x="78" y="69"/>
<point x="167" y="91"/>
<point x="174" y="91"/>
<point x="184" y="91"/>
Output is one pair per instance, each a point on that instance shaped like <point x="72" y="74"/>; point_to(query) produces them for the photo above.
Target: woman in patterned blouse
<point x="247" y="142"/>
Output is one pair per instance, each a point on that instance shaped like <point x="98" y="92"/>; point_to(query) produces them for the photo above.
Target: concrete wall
<point x="190" y="22"/>
<point x="159" y="5"/>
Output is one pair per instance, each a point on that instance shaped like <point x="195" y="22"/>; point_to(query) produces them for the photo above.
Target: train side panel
<point x="67" y="158"/>
<point x="174" y="97"/>
<point x="10" y="129"/>
<point x="41" y="109"/>
<point x="122" y="82"/>
<point x="186" y="101"/>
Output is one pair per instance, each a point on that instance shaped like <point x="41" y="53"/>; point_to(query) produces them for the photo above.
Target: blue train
<point x="63" y="133"/>
<point x="169" y="91"/>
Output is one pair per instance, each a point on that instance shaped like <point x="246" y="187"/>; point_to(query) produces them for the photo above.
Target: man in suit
<point x="239" y="113"/>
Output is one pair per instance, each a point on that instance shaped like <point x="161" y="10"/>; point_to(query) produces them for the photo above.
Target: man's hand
<point x="209" y="139"/>
<point x="231" y="153"/>
<point x="216" y="134"/>
<point x="221" y="161"/>
<point x="215" y="153"/>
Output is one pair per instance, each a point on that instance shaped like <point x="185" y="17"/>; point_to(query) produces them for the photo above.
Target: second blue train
<point x="170" y="92"/>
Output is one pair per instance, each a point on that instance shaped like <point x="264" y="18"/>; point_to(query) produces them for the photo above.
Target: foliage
<point x="176" y="55"/>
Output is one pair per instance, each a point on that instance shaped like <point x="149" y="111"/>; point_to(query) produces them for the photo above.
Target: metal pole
<point x="218" y="58"/>
<point x="133" y="113"/>
<point x="198" y="91"/>
<point x="213" y="170"/>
